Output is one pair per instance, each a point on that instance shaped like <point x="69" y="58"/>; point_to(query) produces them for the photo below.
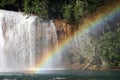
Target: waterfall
<point x="46" y="38"/>
<point x="2" y="60"/>
<point x="23" y="40"/>
<point x="17" y="43"/>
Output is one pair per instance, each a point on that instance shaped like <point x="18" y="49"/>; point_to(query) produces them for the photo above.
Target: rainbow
<point x="91" y="21"/>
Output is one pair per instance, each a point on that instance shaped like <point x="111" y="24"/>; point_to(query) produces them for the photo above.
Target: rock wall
<point x="63" y="29"/>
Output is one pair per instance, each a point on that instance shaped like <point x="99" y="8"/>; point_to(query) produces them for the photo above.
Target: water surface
<point x="63" y="75"/>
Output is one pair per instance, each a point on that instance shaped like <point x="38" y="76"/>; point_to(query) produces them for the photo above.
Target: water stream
<point x="23" y="39"/>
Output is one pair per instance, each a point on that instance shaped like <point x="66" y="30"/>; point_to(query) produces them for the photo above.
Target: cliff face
<point x="63" y="29"/>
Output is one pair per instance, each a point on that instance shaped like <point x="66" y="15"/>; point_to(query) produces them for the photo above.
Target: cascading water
<point x="2" y="59"/>
<point x="16" y="41"/>
<point x="23" y="40"/>
<point x="46" y="39"/>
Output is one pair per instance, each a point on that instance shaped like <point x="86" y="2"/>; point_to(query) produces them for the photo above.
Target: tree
<point x="38" y="7"/>
<point x="110" y="48"/>
<point x="74" y="11"/>
<point x="78" y="11"/>
<point x="95" y="4"/>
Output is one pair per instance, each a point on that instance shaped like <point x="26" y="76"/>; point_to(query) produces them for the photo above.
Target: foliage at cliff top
<point x="72" y="11"/>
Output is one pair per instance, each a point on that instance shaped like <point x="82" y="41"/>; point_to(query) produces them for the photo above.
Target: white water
<point x="23" y="40"/>
<point x="17" y="41"/>
<point x="2" y="60"/>
<point x="46" y="39"/>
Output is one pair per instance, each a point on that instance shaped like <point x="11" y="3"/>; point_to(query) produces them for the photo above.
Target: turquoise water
<point x="63" y="75"/>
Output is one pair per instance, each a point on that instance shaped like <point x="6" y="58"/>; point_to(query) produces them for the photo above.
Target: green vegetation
<point x="110" y="47"/>
<point x="11" y="4"/>
<point x="37" y="7"/>
<point x="72" y="11"/>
